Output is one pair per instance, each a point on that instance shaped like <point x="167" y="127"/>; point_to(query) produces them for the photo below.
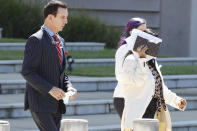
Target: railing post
<point x="4" y="126"/>
<point x="146" y="125"/>
<point x="74" y="125"/>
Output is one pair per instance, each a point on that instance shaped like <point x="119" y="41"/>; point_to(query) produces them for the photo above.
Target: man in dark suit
<point x="44" y="67"/>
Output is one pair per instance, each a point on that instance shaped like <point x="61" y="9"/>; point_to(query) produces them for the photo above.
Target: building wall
<point x="118" y="12"/>
<point x="193" y="29"/>
<point x="175" y="27"/>
<point x="175" y="20"/>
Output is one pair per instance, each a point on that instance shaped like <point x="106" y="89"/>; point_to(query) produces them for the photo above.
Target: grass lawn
<point x="106" y="53"/>
<point x="11" y="55"/>
<point x="18" y="54"/>
<point x="6" y="40"/>
<point x="108" y="71"/>
<point x="179" y="70"/>
<point x="97" y="71"/>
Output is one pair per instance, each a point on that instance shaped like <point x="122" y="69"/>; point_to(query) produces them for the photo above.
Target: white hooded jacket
<point x="138" y="85"/>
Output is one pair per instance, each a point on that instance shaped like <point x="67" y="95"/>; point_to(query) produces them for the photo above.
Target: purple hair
<point x="132" y="24"/>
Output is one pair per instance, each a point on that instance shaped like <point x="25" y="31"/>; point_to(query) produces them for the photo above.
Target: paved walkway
<point x="100" y="120"/>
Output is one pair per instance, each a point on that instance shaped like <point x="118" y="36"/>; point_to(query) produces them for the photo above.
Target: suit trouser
<point x="47" y="121"/>
<point x="119" y="105"/>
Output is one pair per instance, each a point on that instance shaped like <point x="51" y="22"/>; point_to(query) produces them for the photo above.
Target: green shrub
<point x="82" y="27"/>
<point x="18" y="19"/>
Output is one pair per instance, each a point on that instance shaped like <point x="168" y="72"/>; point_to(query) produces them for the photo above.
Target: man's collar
<point x="48" y="30"/>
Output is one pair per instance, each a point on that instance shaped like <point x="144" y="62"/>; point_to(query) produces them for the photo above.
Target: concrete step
<point x="107" y="61"/>
<point x="11" y="66"/>
<point x="178" y="61"/>
<point x="11" y="106"/>
<point x="70" y="46"/>
<point x="14" y="83"/>
<point x="181" y="121"/>
<point x="185" y="91"/>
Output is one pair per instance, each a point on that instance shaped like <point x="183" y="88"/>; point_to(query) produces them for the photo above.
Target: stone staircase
<point x="94" y="101"/>
<point x="87" y="103"/>
<point x="96" y="107"/>
<point x="13" y="83"/>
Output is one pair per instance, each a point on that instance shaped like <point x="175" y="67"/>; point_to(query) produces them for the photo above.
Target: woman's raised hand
<point x="141" y="51"/>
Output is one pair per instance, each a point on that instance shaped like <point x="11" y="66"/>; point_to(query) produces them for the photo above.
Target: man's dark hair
<point x="52" y="7"/>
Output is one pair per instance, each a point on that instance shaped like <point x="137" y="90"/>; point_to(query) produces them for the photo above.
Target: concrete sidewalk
<point x="105" y="121"/>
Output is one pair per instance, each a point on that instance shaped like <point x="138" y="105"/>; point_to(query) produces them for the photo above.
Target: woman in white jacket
<point x="133" y="23"/>
<point x="144" y="90"/>
<point x="141" y="84"/>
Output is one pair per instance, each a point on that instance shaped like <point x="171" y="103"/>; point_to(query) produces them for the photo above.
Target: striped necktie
<point x="57" y="44"/>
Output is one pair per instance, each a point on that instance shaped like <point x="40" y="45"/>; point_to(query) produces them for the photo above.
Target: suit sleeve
<point x="31" y="62"/>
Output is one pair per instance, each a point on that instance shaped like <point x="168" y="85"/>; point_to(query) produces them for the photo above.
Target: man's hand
<point x="182" y="104"/>
<point x="57" y="93"/>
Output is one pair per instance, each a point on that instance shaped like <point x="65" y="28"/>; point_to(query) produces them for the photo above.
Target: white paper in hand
<point x="68" y="95"/>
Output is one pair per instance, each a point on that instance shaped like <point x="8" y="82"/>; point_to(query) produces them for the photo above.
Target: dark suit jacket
<point x="41" y="70"/>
